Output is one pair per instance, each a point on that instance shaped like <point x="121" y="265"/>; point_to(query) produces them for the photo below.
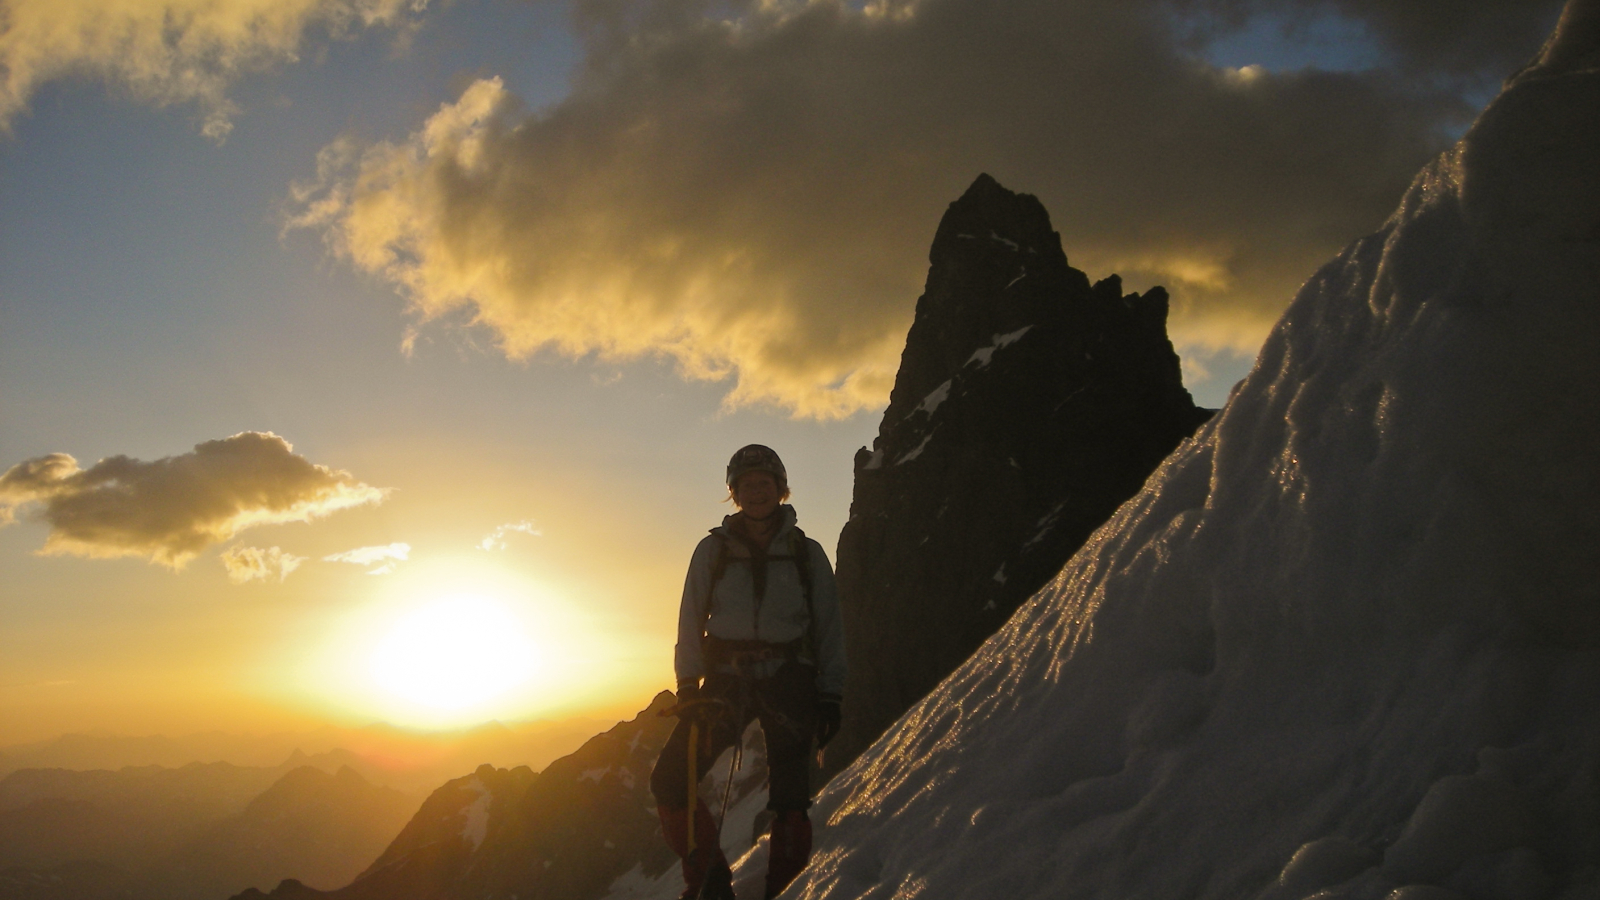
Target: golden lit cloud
<point x="496" y="540"/>
<point x="367" y="556"/>
<point x="752" y="198"/>
<point x="246" y="564"/>
<point x="172" y="508"/>
<point x="166" y="51"/>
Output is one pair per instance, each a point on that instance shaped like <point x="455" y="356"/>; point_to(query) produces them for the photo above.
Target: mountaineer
<point x="759" y="637"/>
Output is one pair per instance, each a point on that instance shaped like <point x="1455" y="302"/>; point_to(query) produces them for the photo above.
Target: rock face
<point x="1029" y="405"/>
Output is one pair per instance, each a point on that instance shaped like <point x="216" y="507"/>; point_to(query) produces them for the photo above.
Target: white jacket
<point x="733" y="612"/>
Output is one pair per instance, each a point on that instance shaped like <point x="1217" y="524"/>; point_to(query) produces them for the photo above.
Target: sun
<point x="455" y="641"/>
<point x="454" y="656"/>
<point x="449" y="643"/>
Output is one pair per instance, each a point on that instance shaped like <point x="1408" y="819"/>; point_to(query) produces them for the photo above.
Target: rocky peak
<point x="1029" y="405"/>
<point x="992" y="240"/>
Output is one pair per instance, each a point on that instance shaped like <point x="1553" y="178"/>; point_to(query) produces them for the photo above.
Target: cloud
<point x="246" y="564"/>
<point x="752" y="197"/>
<point x="496" y="540"/>
<point x="368" y="556"/>
<point x="1476" y="40"/>
<point x="172" y="508"/>
<point x="167" y="51"/>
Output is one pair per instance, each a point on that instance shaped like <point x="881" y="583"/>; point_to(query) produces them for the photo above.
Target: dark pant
<point x="786" y="705"/>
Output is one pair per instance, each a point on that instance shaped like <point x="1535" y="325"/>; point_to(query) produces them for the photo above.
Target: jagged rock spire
<point x="1028" y="406"/>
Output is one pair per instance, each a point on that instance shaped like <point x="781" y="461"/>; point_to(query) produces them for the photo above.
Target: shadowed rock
<point x="1029" y="405"/>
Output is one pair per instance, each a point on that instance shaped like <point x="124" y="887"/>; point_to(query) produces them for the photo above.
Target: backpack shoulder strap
<point x="802" y="565"/>
<point x="802" y="562"/>
<point x="718" y="567"/>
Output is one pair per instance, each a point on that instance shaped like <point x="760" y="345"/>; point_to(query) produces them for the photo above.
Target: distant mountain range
<point x="324" y="829"/>
<point x="123" y="818"/>
<point x="571" y="830"/>
<point x="92" y="816"/>
<point x="383" y="754"/>
<point x="195" y="833"/>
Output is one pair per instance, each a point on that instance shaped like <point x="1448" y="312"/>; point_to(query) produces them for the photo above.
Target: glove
<point x="828" y="716"/>
<point x="688" y="691"/>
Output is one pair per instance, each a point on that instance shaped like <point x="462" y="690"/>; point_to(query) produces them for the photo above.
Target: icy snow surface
<point x="1345" y="639"/>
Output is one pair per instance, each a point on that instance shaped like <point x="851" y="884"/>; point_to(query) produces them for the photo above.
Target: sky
<point x="364" y="360"/>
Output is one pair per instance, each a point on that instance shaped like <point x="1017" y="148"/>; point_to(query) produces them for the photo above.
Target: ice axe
<point x="688" y="710"/>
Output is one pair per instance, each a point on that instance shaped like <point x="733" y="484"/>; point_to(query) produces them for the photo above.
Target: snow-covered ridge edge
<point x="1356" y="607"/>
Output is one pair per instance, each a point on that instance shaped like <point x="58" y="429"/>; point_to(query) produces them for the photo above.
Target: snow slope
<point x="1348" y="637"/>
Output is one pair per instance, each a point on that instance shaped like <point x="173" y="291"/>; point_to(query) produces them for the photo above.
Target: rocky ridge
<point x="1029" y="405"/>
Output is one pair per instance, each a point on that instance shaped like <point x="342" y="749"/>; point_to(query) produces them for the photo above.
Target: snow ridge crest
<point x="1343" y="642"/>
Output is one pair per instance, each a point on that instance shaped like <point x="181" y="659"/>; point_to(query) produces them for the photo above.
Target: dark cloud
<point x="1474" y="39"/>
<point x="751" y="194"/>
<point x="172" y="508"/>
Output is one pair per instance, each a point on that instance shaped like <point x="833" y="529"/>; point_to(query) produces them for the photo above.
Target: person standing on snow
<point x="759" y="623"/>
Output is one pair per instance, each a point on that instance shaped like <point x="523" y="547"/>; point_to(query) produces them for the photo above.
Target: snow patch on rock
<point x="930" y="404"/>
<point x="476" y="827"/>
<point x="916" y="451"/>
<point x="983" y="355"/>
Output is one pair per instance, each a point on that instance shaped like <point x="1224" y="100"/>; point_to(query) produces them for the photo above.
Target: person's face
<point x="756" y="493"/>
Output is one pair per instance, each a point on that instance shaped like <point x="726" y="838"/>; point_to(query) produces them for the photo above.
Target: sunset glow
<point x="372" y="361"/>
<point x="451" y="643"/>
<point x="454" y="656"/>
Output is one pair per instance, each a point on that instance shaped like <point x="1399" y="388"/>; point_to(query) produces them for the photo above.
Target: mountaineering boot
<point x="790" y="849"/>
<point x="706" y="866"/>
<point x="718" y="884"/>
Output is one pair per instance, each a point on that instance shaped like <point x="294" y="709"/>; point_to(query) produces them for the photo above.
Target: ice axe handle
<point x="694" y="789"/>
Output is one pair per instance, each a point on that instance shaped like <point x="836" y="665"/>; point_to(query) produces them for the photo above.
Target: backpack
<point x="798" y="552"/>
